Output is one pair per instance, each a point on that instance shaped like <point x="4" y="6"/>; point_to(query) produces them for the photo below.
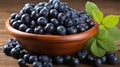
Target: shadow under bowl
<point x="51" y="45"/>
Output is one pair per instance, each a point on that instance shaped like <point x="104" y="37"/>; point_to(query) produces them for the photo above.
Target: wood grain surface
<point x="9" y="6"/>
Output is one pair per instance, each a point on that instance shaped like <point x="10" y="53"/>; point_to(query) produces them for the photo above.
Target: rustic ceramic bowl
<point x="51" y="45"/>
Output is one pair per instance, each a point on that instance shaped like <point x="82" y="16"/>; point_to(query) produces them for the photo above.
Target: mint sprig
<point x="108" y="33"/>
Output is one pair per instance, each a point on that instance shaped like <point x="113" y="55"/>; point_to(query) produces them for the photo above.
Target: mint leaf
<point x="101" y="26"/>
<point x="114" y="33"/>
<point x="107" y="44"/>
<point x="97" y="15"/>
<point x="89" y="7"/>
<point x="89" y="42"/>
<point x="110" y="21"/>
<point x="97" y="50"/>
<point x="102" y="34"/>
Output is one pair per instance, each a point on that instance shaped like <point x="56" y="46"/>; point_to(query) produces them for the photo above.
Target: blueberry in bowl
<point x="51" y="28"/>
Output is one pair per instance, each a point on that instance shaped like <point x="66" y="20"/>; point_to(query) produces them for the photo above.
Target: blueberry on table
<point x="47" y="64"/>
<point x="58" y="60"/>
<point x="33" y="58"/>
<point x="74" y="61"/>
<point x="21" y="62"/>
<point x="111" y="58"/>
<point x="42" y="21"/>
<point x="23" y="27"/>
<point x="38" y="30"/>
<point x="81" y="55"/>
<point x="25" y="18"/>
<point x="103" y="59"/>
<point x="44" y="58"/>
<point x="67" y="58"/>
<point x="61" y="30"/>
<point x="89" y="59"/>
<point x="97" y="62"/>
<point x="26" y="57"/>
<point x="49" y="28"/>
<point x="72" y="30"/>
<point x="15" y="52"/>
<point x="37" y="64"/>
<point x="6" y="49"/>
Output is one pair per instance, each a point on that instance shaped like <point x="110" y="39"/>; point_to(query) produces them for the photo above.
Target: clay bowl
<point x="51" y="45"/>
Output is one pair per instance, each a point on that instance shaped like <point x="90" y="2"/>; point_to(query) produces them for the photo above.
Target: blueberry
<point x="85" y="16"/>
<point x="38" y="30"/>
<point x="44" y="58"/>
<point x="22" y="53"/>
<point x="44" y="12"/>
<point x="55" y="22"/>
<point x="29" y="30"/>
<point x="15" y="52"/>
<point x="80" y="28"/>
<point x="48" y="5"/>
<point x="26" y="57"/>
<point x="69" y="22"/>
<point x="18" y="17"/>
<point x="12" y="16"/>
<point x="13" y="44"/>
<point x="49" y="27"/>
<point x="6" y="49"/>
<point x="33" y="24"/>
<point x="25" y="18"/>
<point x="53" y="12"/>
<point x="37" y="64"/>
<point x="38" y="8"/>
<point x="33" y="58"/>
<point x="89" y="59"/>
<point x="11" y="21"/>
<point x="28" y="9"/>
<point x="72" y="30"/>
<point x="103" y="59"/>
<point x="59" y="6"/>
<point x="47" y="64"/>
<point x="34" y="15"/>
<point x="61" y="17"/>
<point x="54" y="1"/>
<point x="91" y="23"/>
<point x="61" y="30"/>
<point x="97" y="62"/>
<point x="112" y="58"/>
<point x="74" y="61"/>
<point x="67" y="58"/>
<point x="58" y="60"/>
<point x="19" y="46"/>
<point x="42" y="21"/>
<point x="82" y="54"/>
<point x="21" y="62"/>
<point x="22" y="27"/>
<point x="76" y="21"/>
<point x="15" y="24"/>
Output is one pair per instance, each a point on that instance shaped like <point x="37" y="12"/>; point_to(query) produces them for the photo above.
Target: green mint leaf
<point x="114" y="33"/>
<point x="98" y="16"/>
<point x="97" y="49"/>
<point x="110" y="21"/>
<point x="101" y="26"/>
<point x="89" y="42"/>
<point x="103" y="34"/>
<point x="108" y="44"/>
<point x="89" y="7"/>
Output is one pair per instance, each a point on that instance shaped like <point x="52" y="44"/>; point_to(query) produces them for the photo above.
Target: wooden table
<point x="9" y="6"/>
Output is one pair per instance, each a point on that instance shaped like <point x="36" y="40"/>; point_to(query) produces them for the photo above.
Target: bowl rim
<point x="73" y="37"/>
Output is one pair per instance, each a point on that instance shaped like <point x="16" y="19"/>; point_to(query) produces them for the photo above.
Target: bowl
<point x="51" y="45"/>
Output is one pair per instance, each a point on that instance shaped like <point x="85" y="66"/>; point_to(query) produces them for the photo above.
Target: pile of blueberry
<point x="13" y="48"/>
<point x="53" y="18"/>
